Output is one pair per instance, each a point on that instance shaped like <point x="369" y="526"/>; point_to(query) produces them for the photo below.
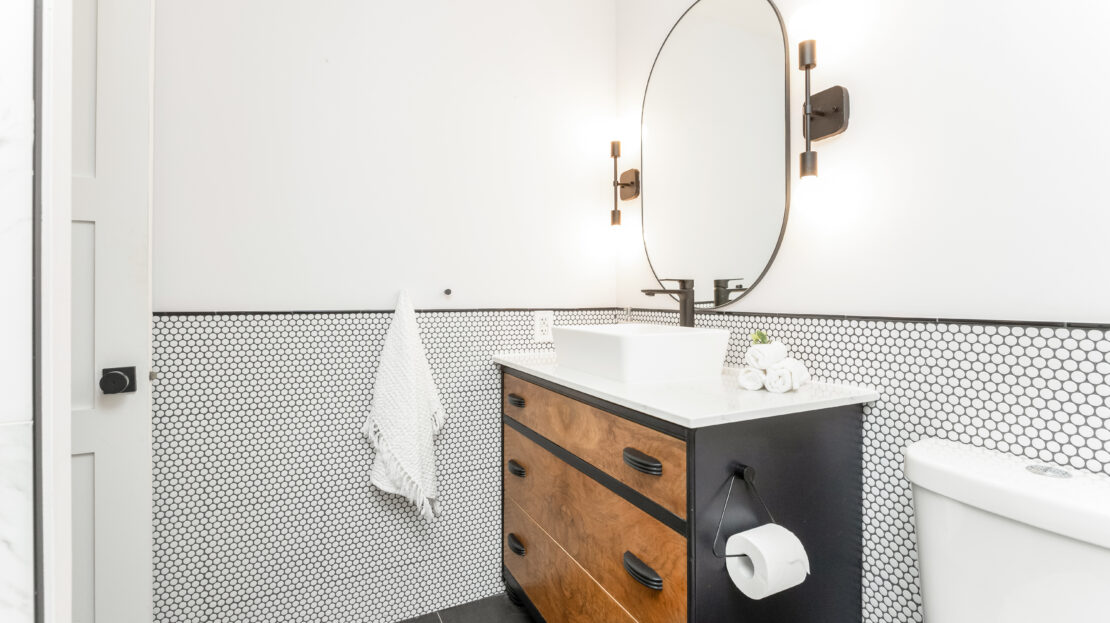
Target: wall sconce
<point x="626" y="186"/>
<point x="824" y="114"/>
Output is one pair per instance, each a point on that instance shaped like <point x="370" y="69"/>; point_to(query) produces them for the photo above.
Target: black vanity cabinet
<point x="610" y="514"/>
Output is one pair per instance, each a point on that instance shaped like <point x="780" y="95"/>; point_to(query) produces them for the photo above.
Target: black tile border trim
<point x="906" y="319"/>
<point x="637" y="499"/>
<point x="381" y="311"/>
<point x="1102" y="326"/>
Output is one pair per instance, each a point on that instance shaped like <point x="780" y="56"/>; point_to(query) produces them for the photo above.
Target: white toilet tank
<point x="999" y="539"/>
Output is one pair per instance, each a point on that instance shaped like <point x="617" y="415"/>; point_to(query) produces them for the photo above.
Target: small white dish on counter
<point x="642" y="353"/>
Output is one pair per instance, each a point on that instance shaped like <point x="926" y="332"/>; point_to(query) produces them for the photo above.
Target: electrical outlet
<point x="542" y="321"/>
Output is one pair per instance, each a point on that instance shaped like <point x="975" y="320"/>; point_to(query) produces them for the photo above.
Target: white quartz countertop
<point x="694" y="403"/>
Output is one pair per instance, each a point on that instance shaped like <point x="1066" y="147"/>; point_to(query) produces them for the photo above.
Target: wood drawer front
<point x="596" y="527"/>
<point x="557" y="586"/>
<point x="600" y="438"/>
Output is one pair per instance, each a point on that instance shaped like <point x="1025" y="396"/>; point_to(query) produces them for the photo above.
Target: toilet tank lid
<point x="1077" y="506"/>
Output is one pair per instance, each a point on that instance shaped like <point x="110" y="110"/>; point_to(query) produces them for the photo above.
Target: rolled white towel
<point x="786" y="375"/>
<point x="763" y="356"/>
<point x="750" y="378"/>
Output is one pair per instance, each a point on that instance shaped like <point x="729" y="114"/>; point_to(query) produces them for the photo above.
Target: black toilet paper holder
<point x="747" y="474"/>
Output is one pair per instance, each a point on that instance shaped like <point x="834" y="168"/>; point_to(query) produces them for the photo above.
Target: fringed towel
<point x="405" y="415"/>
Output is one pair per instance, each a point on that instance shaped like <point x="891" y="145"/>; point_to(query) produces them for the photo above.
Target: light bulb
<point x="804" y="192"/>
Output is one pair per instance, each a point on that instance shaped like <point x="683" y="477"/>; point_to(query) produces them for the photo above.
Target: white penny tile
<point x="263" y="509"/>
<point x="1037" y="392"/>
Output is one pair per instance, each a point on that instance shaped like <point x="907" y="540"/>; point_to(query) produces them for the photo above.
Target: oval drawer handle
<point x="642" y="462"/>
<point x="642" y="573"/>
<point x="517" y="545"/>
<point x="516" y="469"/>
<point x="516" y="401"/>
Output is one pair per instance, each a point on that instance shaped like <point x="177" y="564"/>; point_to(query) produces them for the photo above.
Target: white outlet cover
<point x="542" y="322"/>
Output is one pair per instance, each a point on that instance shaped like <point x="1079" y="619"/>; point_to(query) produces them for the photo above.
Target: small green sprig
<point x="760" y="337"/>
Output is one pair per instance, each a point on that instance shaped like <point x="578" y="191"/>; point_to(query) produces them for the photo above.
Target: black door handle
<point x="642" y="573"/>
<point x="642" y="462"/>
<point x="517" y="545"/>
<point x="516" y="401"/>
<point x="117" y="380"/>
<point x="516" y="469"/>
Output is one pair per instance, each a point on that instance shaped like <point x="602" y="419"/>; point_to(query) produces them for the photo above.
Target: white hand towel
<point x="786" y="375"/>
<point x="405" y="414"/>
<point x="750" y="378"/>
<point x="763" y="356"/>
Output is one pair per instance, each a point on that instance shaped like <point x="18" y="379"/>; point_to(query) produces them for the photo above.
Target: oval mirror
<point x="714" y="141"/>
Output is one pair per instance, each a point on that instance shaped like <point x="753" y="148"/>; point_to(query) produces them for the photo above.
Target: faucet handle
<point x="723" y="283"/>
<point x="683" y="284"/>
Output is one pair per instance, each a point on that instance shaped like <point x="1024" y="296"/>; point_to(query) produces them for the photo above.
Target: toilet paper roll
<point x="772" y="560"/>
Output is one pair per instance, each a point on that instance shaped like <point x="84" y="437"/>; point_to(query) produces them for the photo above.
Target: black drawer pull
<point x="642" y="573"/>
<point x="642" y="462"/>
<point x="516" y="469"/>
<point x="516" y="401"/>
<point x="517" y="546"/>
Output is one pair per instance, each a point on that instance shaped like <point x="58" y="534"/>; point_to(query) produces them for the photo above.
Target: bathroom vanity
<point x="612" y="494"/>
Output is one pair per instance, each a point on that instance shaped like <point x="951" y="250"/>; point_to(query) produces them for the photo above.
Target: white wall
<point x="323" y="154"/>
<point x="971" y="182"/>
<point x="16" y="364"/>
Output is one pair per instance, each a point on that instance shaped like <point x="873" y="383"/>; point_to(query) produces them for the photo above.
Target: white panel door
<point x="111" y="463"/>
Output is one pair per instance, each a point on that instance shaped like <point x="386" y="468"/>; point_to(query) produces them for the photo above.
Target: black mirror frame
<point x="786" y="117"/>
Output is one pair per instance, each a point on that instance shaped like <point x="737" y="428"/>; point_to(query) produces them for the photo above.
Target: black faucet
<point x="685" y="294"/>
<point x="721" y="291"/>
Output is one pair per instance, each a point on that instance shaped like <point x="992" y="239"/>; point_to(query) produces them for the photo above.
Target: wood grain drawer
<point x="597" y="527"/>
<point x="601" y="438"/>
<point x="557" y="586"/>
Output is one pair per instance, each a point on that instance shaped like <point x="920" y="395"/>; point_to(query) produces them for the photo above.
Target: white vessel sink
<point x="642" y="353"/>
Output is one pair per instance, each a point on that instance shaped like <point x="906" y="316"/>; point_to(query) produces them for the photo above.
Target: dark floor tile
<point x="427" y="618"/>
<point x="496" y="609"/>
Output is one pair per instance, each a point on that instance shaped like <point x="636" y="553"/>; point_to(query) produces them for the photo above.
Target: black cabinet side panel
<point x="809" y="470"/>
